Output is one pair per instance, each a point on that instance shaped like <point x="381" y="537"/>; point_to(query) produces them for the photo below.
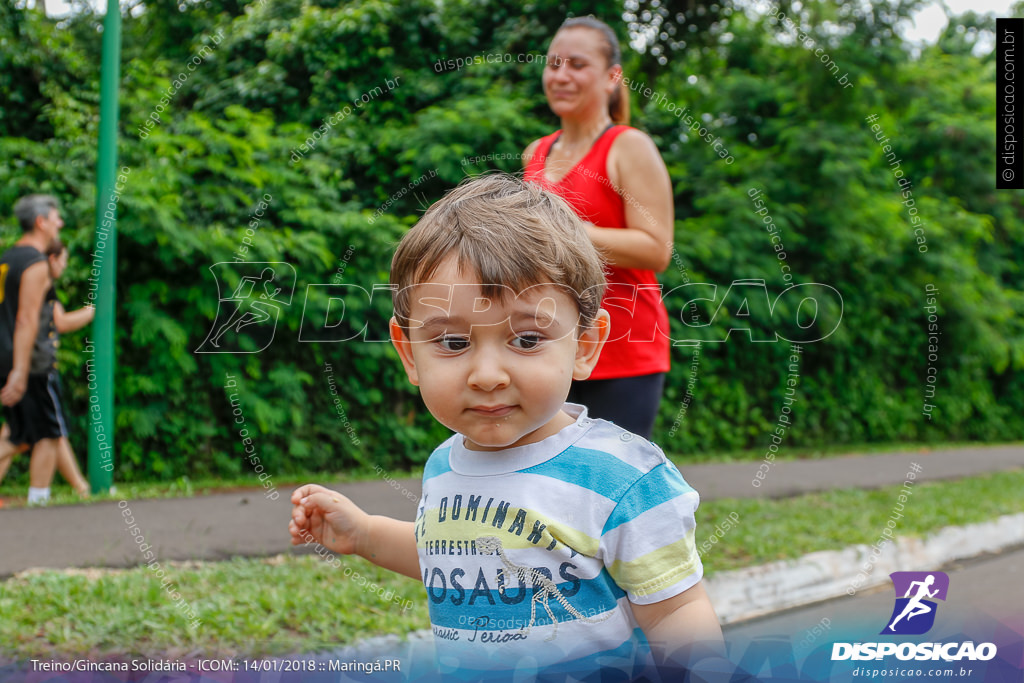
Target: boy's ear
<point x="589" y="345"/>
<point x="404" y="348"/>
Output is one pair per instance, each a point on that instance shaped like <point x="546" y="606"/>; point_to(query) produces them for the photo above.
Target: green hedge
<point x="280" y="69"/>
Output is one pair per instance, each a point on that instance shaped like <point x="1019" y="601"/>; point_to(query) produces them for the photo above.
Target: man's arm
<point x="73" y="321"/>
<point x="34" y="283"/>
<point x="910" y="588"/>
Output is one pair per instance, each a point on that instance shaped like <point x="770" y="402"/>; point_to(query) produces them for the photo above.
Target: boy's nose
<point x="488" y="374"/>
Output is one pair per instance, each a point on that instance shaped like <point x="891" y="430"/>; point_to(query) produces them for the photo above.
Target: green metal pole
<point x="101" y="445"/>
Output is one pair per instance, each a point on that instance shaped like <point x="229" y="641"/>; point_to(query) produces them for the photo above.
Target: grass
<point x="14" y="488"/>
<point x="787" y="528"/>
<point x="292" y="604"/>
<point x="247" y="607"/>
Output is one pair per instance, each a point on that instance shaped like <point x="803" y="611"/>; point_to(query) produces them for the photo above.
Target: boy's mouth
<point x="492" y="411"/>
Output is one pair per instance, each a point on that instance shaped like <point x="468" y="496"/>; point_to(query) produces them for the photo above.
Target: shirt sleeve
<point x="648" y="541"/>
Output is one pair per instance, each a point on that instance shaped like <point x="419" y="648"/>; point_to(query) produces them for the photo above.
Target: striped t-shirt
<point x="531" y="555"/>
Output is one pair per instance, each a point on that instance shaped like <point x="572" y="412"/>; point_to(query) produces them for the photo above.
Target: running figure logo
<point x="914" y="613"/>
<point x="247" y="317"/>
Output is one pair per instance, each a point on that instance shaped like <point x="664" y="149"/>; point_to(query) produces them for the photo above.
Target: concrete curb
<point x="759" y="591"/>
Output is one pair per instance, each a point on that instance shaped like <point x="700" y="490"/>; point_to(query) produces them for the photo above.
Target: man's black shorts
<point x="40" y="413"/>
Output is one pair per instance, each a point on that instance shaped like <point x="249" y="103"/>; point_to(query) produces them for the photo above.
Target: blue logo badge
<point x="914" y="612"/>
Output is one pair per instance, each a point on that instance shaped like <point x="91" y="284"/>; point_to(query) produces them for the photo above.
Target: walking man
<point x="31" y="402"/>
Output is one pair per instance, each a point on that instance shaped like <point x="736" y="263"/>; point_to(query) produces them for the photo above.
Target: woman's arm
<point x="73" y="321"/>
<point x="638" y="173"/>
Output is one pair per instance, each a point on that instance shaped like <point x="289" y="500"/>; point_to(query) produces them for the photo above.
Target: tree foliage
<point x="273" y="73"/>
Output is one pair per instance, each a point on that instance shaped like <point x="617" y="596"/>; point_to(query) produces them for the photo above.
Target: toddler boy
<point x="547" y="541"/>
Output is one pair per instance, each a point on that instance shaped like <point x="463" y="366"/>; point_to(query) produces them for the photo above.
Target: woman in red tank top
<point x="615" y="179"/>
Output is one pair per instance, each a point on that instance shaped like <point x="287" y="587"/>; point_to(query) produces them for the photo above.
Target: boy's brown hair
<point x="510" y="234"/>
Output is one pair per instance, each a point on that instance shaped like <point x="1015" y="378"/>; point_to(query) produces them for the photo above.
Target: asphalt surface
<point x="222" y="526"/>
<point x="795" y="477"/>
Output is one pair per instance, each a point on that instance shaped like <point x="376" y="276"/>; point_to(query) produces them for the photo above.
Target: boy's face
<point x="495" y="371"/>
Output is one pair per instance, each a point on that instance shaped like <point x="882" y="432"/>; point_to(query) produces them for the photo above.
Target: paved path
<point x="795" y="477"/>
<point x="231" y="524"/>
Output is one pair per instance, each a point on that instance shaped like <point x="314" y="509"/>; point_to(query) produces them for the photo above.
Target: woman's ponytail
<point x="618" y="105"/>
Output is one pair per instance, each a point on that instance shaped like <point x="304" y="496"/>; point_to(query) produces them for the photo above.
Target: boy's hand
<point x="328" y="518"/>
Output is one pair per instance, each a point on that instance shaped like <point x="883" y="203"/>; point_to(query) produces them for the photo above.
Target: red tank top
<point x="638" y="343"/>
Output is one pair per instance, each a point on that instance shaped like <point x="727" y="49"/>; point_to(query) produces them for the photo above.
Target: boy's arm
<point x="73" y="321"/>
<point x="391" y="544"/>
<point x="681" y="628"/>
<point x="332" y="520"/>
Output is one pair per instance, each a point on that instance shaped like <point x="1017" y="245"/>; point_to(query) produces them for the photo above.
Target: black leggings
<point x="630" y="402"/>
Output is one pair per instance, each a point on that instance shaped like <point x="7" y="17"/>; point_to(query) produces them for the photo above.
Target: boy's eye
<point x="453" y="343"/>
<point x="527" y="341"/>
